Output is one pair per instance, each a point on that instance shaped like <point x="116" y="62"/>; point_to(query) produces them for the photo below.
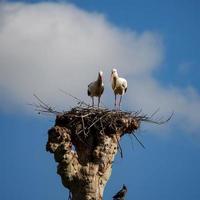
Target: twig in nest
<point x="155" y="112"/>
<point x="83" y="125"/>
<point x="159" y="122"/>
<point x="93" y="123"/>
<point x="138" y="140"/>
<point x="42" y="107"/>
<point x="84" y="142"/>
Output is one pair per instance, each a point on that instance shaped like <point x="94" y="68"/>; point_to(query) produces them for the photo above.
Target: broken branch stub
<point x="84" y="142"/>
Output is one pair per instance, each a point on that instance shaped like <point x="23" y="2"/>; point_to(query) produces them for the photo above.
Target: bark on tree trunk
<point x="85" y="165"/>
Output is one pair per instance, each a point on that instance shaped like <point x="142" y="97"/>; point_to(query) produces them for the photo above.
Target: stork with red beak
<point x="96" y="88"/>
<point x="119" y="86"/>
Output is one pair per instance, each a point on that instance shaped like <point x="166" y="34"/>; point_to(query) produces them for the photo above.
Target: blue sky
<point x="154" y="44"/>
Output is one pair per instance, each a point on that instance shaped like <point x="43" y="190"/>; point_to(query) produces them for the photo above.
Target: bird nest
<point x="86" y="122"/>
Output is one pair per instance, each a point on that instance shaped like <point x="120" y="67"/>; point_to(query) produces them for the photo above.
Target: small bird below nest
<point x="121" y="194"/>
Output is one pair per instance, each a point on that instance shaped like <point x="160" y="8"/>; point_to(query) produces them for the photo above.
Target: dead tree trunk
<point x="84" y="143"/>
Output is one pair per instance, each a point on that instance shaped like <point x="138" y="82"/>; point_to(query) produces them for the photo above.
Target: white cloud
<point x="48" y="46"/>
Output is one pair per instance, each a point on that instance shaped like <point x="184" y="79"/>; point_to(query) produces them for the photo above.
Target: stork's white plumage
<point x="119" y="85"/>
<point x="96" y="88"/>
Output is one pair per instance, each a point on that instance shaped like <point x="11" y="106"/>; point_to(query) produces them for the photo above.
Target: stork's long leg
<point x="120" y="101"/>
<point x="98" y="101"/>
<point x="92" y="101"/>
<point x="115" y="100"/>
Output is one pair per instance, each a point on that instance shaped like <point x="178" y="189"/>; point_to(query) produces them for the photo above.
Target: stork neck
<point x="99" y="80"/>
<point x="114" y="80"/>
<point x="115" y="75"/>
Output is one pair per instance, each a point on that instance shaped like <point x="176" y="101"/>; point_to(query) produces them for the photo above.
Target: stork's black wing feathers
<point x="102" y="90"/>
<point x="124" y="86"/>
<point x="126" y="89"/>
<point x="88" y="92"/>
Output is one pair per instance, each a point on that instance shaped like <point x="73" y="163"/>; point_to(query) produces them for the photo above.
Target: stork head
<point x="100" y="75"/>
<point x="113" y="73"/>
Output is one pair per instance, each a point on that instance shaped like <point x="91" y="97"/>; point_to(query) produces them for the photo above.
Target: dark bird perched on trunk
<point x="121" y="194"/>
<point x="96" y="88"/>
<point x="119" y="86"/>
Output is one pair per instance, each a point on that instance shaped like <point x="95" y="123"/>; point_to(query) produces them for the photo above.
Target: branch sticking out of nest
<point x="42" y="107"/>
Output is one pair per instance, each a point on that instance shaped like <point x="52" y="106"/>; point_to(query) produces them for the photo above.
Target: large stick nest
<point x="85" y="121"/>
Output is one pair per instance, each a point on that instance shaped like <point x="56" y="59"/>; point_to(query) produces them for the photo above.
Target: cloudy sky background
<point x="47" y="46"/>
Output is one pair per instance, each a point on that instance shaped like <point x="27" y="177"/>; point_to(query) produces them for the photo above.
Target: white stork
<point x="96" y="88"/>
<point x="119" y="85"/>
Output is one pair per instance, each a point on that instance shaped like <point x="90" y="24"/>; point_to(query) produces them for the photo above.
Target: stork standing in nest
<point x="96" y="88"/>
<point x="119" y="86"/>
